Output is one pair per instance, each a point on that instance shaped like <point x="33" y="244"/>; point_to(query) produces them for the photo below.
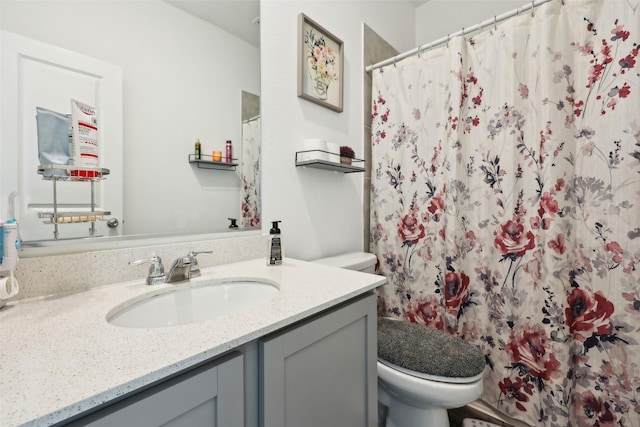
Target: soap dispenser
<point x="276" y="251"/>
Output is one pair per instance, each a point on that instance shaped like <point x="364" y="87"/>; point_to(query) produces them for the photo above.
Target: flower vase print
<point x="320" y="65"/>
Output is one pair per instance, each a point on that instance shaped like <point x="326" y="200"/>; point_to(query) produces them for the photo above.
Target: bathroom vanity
<point x="305" y="357"/>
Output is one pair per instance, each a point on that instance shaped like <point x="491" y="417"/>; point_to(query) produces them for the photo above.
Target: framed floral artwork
<point x="320" y="65"/>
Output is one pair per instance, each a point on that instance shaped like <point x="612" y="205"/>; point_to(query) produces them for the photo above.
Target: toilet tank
<point x="359" y="261"/>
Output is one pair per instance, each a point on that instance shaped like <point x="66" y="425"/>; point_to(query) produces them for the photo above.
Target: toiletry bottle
<point x="1" y="242"/>
<point x="276" y="251"/>
<point x="198" y="146"/>
<point x="229" y="154"/>
<point x="10" y="245"/>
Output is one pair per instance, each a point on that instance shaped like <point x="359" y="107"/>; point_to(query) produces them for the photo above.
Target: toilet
<point x="415" y="388"/>
<point x="358" y="261"/>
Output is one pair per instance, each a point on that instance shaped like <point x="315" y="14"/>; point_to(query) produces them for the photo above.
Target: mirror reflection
<point x="182" y="78"/>
<point x="250" y="172"/>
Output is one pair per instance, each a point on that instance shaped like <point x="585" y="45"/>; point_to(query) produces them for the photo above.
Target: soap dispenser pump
<point x="276" y="251"/>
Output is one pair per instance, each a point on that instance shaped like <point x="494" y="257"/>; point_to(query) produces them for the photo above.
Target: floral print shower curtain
<point x="250" y="173"/>
<point x="505" y="206"/>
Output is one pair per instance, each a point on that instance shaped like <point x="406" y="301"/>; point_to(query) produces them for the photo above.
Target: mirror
<point x="184" y="78"/>
<point x="250" y="170"/>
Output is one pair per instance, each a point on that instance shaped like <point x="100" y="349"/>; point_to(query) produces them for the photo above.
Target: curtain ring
<point x="462" y="31"/>
<point x="495" y="23"/>
<point x="517" y="11"/>
<point x="395" y="58"/>
<point x="448" y="40"/>
<point x="532" y="8"/>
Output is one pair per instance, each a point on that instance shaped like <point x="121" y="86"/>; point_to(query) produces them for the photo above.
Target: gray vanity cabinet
<point x="209" y="395"/>
<point x="322" y="372"/>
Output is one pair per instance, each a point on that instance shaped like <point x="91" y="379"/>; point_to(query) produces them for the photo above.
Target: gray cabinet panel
<point x="322" y="372"/>
<point x="210" y="395"/>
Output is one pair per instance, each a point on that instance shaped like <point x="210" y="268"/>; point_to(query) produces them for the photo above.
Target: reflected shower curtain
<point x="250" y="169"/>
<point x="505" y="206"/>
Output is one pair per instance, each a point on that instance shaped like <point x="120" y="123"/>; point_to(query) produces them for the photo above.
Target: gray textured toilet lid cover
<point x="427" y="350"/>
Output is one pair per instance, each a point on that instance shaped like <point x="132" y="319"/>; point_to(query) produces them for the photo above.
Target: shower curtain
<point x="505" y="206"/>
<point x="250" y="173"/>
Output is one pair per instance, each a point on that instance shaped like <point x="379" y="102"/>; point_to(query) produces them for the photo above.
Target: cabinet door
<point x="211" y="395"/>
<point x="322" y="372"/>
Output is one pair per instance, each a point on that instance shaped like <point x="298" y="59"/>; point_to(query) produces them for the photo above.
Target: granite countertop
<point x="60" y="357"/>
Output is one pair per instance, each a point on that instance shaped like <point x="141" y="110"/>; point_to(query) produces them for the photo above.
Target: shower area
<point x="505" y="204"/>
<point x="250" y="192"/>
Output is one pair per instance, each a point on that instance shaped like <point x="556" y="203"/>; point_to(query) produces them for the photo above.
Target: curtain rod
<point x="480" y="26"/>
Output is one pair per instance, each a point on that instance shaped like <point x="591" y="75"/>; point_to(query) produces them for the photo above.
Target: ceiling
<point x="238" y="17"/>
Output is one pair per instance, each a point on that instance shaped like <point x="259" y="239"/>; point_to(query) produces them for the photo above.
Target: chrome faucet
<point x="156" y="270"/>
<point x="184" y="268"/>
<point x="180" y="270"/>
<point x="195" y="268"/>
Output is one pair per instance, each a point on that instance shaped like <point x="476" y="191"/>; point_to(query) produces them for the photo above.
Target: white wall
<point x="180" y="83"/>
<point x="437" y="18"/>
<point x="321" y="211"/>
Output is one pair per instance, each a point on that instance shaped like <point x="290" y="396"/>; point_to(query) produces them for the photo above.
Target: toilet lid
<point x="451" y="380"/>
<point x="426" y="350"/>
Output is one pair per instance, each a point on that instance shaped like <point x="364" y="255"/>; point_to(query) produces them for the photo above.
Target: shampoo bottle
<point x="198" y="150"/>
<point x="276" y="251"/>
<point x="228" y="152"/>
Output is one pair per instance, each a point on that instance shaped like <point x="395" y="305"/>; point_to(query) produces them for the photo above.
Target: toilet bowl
<point x="423" y="371"/>
<point x="417" y="397"/>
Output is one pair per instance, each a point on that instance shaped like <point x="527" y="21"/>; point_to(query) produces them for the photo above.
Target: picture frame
<point x="320" y="65"/>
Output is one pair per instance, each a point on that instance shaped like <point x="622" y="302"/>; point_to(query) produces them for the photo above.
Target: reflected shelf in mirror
<point x="205" y="161"/>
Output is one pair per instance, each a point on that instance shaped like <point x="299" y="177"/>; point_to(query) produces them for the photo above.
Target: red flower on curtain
<point x="596" y="412"/>
<point x="615" y="252"/>
<point x="588" y="314"/>
<point x="514" y="390"/>
<point x="548" y="205"/>
<point x="557" y="244"/>
<point x="619" y="32"/>
<point x="512" y="241"/>
<point x="456" y="291"/>
<point x="530" y="349"/>
<point x="425" y="311"/>
<point x="546" y="212"/>
<point x="436" y="207"/>
<point x="410" y="231"/>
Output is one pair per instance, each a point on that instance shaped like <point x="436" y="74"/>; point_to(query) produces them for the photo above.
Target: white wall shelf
<point x="327" y="164"/>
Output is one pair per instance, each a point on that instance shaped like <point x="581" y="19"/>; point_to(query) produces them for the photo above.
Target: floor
<point x="457" y="415"/>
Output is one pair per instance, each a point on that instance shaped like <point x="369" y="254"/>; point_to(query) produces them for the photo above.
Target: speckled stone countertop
<point x="60" y="357"/>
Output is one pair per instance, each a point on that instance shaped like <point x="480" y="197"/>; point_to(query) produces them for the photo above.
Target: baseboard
<point x="483" y="411"/>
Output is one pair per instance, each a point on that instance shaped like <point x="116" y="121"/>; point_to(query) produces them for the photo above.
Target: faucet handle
<point x="195" y="268"/>
<point x="156" y="269"/>
<point x="193" y="254"/>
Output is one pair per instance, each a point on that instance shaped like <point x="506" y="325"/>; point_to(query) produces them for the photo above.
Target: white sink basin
<point x="201" y="301"/>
